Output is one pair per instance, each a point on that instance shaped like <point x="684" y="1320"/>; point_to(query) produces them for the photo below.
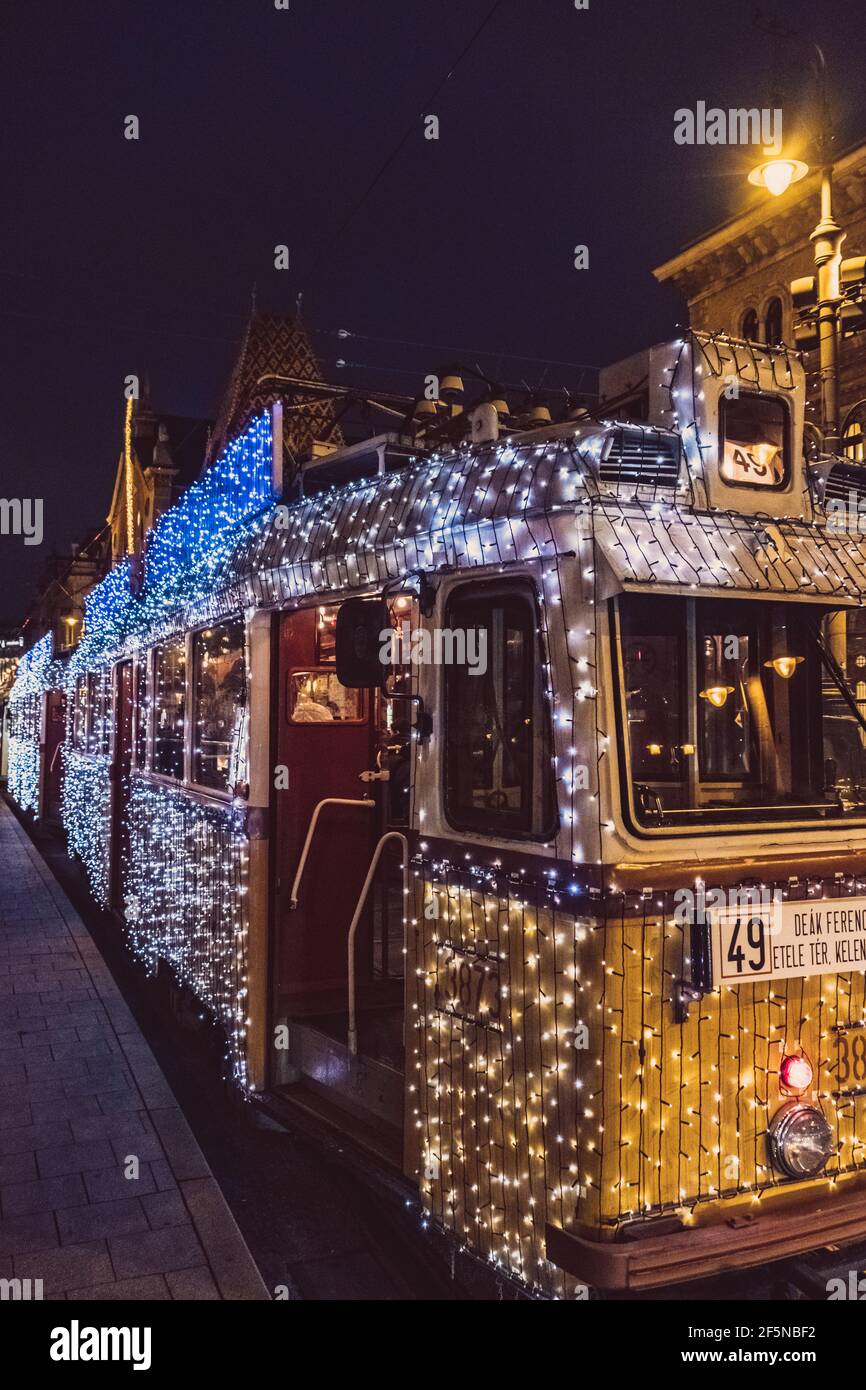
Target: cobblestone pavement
<point x="104" y="1191"/>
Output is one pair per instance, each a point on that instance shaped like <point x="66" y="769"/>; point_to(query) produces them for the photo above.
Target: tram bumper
<point x="699" y="1252"/>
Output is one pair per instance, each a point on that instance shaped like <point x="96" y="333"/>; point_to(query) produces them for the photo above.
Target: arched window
<point x="773" y="322"/>
<point x="853" y="435"/>
<point x="750" y="325"/>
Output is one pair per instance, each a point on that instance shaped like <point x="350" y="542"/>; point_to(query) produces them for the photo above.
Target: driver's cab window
<point x="754" y="433"/>
<point x="498" y="768"/>
<point x="741" y="711"/>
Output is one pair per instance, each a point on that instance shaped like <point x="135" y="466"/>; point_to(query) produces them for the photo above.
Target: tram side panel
<point x="505" y="1056"/>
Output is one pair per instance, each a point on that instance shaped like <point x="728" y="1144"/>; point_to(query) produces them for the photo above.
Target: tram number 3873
<point x="468" y="985"/>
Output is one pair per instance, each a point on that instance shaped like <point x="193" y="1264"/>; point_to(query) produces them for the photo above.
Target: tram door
<point x="120" y="773"/>
<point x="324" y="743"/>
<point x="55" y="718"/>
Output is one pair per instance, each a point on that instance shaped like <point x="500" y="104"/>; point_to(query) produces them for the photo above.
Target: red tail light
<point x="795" y="1073"/>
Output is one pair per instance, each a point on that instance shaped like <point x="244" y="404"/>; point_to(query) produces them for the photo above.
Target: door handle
<point x="383" y="776"/>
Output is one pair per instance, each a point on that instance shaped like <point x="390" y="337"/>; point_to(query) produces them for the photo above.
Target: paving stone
<point x="179" y="1143"/>
<point x="46" y="1194"/>
<point x="148" y="1290"/>
<point x="74" y="1158"/>
<point x="67" y="1267"/>
<point x="192" y="1284"/>
<point x="111" y="1184"/>
<point x="25" y="1137"/>
<point x="119" y="1127"/>
<point x="165" y="1209"/>
<point x="228" y="1256"/>
<point x="21" y="1234"/>
<point x="12" y="1114"/>
<point x="57" y="1109"/>
<point x="18" y="1167"/>
<point x="102" y="1220"/>
<point x="156" y="1252"/>
<point x="145" y="1147"/>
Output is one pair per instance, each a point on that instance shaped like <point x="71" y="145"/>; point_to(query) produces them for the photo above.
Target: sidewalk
<point x="104" y="1191"/>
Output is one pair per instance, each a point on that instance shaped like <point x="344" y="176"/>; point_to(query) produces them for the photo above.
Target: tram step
<point x="370" y="1089"/>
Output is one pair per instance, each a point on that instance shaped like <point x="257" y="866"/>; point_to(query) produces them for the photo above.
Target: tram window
<point x="498" y="770"/>
<point x="653" y="673"/>
<point x="99" y="698"/>
<point x="79" y="715"/>
<point x="141" y="713"/>
<point x="326" y="634"/>
<point x="317" y="697"/>
<point x="742" y="711"/>
<point x="169" y="666"/>
<point x="754" y="432"/>
<point x="219" y="701"/>
<point x="725" y="657"/>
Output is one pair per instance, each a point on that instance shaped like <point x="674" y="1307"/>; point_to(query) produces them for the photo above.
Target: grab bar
<point x="374" y="862"/>
<point x="305" y="852"/>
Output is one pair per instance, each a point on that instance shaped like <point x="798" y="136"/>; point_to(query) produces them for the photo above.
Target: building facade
<point x="737" y="279"/>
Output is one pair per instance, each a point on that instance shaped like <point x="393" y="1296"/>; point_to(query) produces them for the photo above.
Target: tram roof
<point x="671" y="548"/>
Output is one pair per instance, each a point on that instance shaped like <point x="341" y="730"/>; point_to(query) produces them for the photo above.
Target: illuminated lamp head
<point x="654" y="749"/>
<point x="784" y="666"/>
<point x="777" y="175"/>
<point x="795" y="1073"/>
<point x="716" y="695"/>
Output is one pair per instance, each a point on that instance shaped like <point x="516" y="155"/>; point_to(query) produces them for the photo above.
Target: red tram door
<point x="52" y="769"/>
<point x="327" y="737"/>
<point x="121" y="768"/>
<point x="325" y="742"/>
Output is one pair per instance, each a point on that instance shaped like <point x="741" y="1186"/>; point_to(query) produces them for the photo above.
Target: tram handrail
<point x="311" y="830"/>
<point x="374" y="864"/>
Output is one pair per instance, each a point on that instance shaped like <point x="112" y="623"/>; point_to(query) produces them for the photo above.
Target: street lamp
<point x="823" y="291"/>
<point x="777" y="175"/>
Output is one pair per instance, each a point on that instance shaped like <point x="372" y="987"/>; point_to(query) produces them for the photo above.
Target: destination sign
<point x="784" y="940"/>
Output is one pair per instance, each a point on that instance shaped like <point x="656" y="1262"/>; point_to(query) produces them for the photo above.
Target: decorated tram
<point x="504" y="805"/>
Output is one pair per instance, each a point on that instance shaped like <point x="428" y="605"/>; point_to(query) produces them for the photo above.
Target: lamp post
<point x="777" y="175"/>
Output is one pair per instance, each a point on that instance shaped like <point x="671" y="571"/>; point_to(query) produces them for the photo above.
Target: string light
<point x="565" y="1090"/>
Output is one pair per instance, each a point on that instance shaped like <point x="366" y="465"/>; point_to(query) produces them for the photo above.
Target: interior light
<point x="654" y="749"/>
<point x="777" y="175"/>
<point x="717" y="694"/>
<point x="688" y="749"/>
<point x="785" y="666"/>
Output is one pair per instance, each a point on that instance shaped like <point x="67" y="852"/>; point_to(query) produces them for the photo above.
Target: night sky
<point x="261" y="127"/>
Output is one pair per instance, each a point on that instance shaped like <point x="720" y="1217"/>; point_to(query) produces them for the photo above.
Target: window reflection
<point x="170" y="705"/>
<point x="498" y="774"/>
<point x="220" y="704"/>
<point x="317" y="697"/>
<point x="743" y="710"/>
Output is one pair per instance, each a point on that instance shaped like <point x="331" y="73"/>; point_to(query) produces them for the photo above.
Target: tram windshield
<point x="741" y="711"/>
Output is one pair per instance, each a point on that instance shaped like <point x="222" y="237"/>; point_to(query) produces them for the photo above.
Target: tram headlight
<point x="800" y="1139"/>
